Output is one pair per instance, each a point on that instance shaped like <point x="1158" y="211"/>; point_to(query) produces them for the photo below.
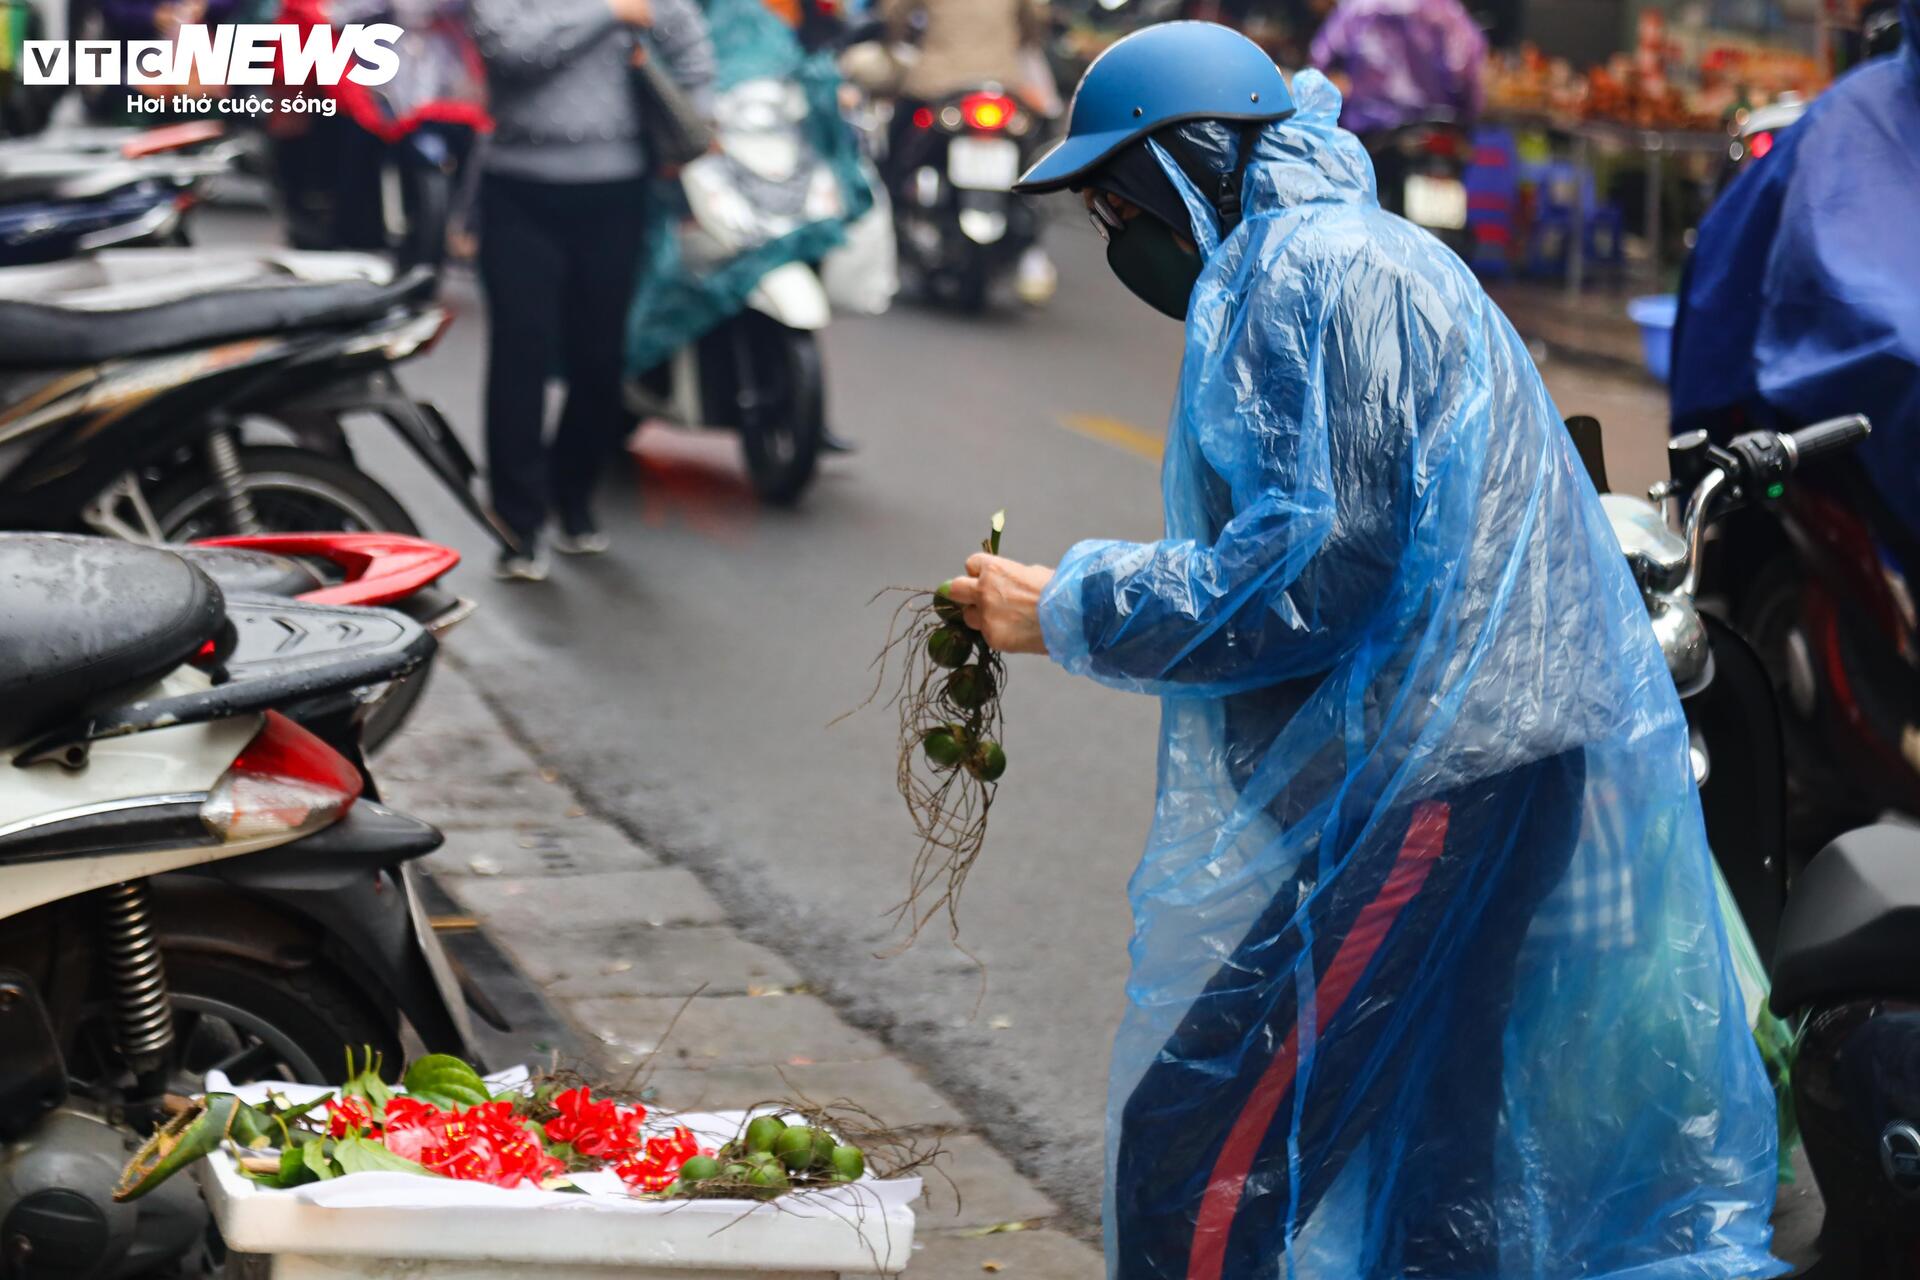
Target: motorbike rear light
<point x="923" y="118"/>
<point x="286" y="782"/>
<point x="991" y="112"/>
<point x="1443" y="143"/>
<point x="1760" y="144"/>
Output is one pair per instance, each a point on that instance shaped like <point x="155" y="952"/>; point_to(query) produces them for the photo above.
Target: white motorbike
<point x="759" y="371"/>
<point x="194" y="875"/>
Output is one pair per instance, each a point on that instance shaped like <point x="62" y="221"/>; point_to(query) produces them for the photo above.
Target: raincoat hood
<point x="1387" y="600"/>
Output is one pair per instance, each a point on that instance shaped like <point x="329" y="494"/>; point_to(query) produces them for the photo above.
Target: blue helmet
<point x="1159" y="76"/>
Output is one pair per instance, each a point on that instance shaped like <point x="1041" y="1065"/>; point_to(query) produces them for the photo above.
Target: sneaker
<point x="1036" y="278"/>
<point x="587" y="541"/>
<point x="522" y="566"/>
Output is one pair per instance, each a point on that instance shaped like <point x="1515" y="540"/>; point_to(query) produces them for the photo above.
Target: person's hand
<point x="1000" y="599"/>
<point x="635" y="13"/>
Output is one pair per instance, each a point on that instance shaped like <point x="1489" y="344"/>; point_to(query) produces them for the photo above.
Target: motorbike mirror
<point x="1688" y="457"/>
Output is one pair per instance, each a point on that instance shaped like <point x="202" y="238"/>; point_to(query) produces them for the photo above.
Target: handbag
<point x="673" y="131"/>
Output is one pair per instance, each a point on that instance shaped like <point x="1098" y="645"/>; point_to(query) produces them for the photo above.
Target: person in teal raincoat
<point x="1428" y="979"/>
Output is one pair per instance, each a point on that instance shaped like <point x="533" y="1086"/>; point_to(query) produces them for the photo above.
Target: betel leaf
<point x="446" y="1081"/>
<point x="363" y="1155"/>
<point x="314" y="1155"/>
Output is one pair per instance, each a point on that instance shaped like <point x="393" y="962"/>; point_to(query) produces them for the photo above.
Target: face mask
<point x="1159" y="269"/>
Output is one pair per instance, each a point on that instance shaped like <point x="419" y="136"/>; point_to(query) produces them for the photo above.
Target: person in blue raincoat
<point x="1428" y="979"/>
<point x="1802" y="298"/>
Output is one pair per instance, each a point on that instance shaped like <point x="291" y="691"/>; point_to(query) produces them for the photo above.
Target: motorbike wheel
<point x="251" y="1021"/>
<point x="292" y="1026"/>
<point x="296" y="491"/>
<point x="781" y="380"/>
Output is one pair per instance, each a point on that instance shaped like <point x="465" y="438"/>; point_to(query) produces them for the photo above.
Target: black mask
<point x="1158" y="268"/>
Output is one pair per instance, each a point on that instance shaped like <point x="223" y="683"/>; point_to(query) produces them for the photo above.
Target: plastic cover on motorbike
<point x="1389" y="600"/>
<point x="1803" y="295"/>
<point x="678" y="300"/>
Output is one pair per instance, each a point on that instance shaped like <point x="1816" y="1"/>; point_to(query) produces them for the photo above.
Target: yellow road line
<point x="1121" y="435"/>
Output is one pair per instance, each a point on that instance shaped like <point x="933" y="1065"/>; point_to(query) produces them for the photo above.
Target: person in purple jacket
<point x="1398" y="61"/>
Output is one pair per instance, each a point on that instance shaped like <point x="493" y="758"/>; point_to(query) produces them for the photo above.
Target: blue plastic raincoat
<point x="1428" y="978"/>
<point x="1802" y="299"/>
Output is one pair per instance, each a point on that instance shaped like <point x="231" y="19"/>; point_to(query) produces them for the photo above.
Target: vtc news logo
<point x="229" y="54"/>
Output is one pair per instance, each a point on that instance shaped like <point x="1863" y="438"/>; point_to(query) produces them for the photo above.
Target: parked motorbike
<point x="171" y="395"/>
<point x="758" y="371"/>
<point x="1421" y="170"/>
<point x="195" y="874"/>
<point x="952" y="166"/>
<point x="1842" y="932"/>
<point x="82" y="190"/>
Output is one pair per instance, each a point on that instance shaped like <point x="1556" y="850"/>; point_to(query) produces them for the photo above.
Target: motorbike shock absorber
<point x="223" y="455"/>
<point x="142" y="1013"/>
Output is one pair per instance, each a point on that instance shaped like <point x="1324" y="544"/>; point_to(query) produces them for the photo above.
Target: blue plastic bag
<point x="1428" y="976"/>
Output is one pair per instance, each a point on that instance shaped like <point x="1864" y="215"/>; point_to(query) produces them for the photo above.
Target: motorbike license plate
<point x="1440" y="203"/>
<point x="983" y="164"/>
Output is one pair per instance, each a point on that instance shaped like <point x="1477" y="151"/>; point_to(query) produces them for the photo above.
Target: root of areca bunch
<point x="948" y="700"/>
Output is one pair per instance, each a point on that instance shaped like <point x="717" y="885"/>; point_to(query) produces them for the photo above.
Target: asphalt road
<point x="685" y="681"/>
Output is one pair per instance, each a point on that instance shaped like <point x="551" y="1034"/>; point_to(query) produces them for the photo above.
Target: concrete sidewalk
<point x="614" y="940"/>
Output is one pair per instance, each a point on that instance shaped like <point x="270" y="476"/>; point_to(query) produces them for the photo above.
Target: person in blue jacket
<point x="1802" y="298"/>
<point x="1428" y="978"/>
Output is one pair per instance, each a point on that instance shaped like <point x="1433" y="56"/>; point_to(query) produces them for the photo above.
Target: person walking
<point x="561" y="224"/>
<point x="1413" y="712"/>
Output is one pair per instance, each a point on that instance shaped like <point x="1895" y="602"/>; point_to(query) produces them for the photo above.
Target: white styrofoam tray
<point x="863" y="1228"/>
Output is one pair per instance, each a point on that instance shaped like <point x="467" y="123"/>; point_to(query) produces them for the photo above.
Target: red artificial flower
<point x="413" y="1127"/>
<point x="598" y="1128"/>
<point x="347" y="1116"/>
<point x="488" y="1143"/>
<point x="656" y="1166"/>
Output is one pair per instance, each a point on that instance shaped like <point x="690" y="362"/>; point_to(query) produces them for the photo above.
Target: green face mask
<point x="1159" y="269"/>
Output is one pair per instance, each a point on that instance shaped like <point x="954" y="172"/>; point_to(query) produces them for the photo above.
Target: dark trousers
<point x="558" y="263"/>
<point x="1413" y="945"/>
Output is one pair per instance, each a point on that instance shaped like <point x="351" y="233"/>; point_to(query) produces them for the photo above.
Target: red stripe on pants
<point x="1426" y="837"/>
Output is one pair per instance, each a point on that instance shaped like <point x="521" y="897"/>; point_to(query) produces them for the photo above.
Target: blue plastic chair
<point x="1493" y="201"/>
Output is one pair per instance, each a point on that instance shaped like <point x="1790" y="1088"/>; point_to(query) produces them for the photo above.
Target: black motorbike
<point x="951" y="166"/>
<point x="1842" y="934"/>
<point x="165" y="395"/>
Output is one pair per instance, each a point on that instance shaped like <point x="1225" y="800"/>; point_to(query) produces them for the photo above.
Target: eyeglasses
<point x="1103" y="217"/>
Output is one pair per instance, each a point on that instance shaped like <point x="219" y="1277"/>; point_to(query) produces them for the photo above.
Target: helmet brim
<point x="1074" y="159"/>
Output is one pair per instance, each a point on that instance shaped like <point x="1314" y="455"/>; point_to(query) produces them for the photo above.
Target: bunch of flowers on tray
<point x="443" y="1120"/>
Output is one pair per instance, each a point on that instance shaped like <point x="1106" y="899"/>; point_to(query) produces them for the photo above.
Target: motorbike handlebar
<point x="1828" y="437"/>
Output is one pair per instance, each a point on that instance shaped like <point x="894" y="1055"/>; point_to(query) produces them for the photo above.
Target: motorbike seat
<point x="1852" y="925"/>
<point x="84" y="619"/>
<point x="139" y="301"/>
<point x="238" y="571"/>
